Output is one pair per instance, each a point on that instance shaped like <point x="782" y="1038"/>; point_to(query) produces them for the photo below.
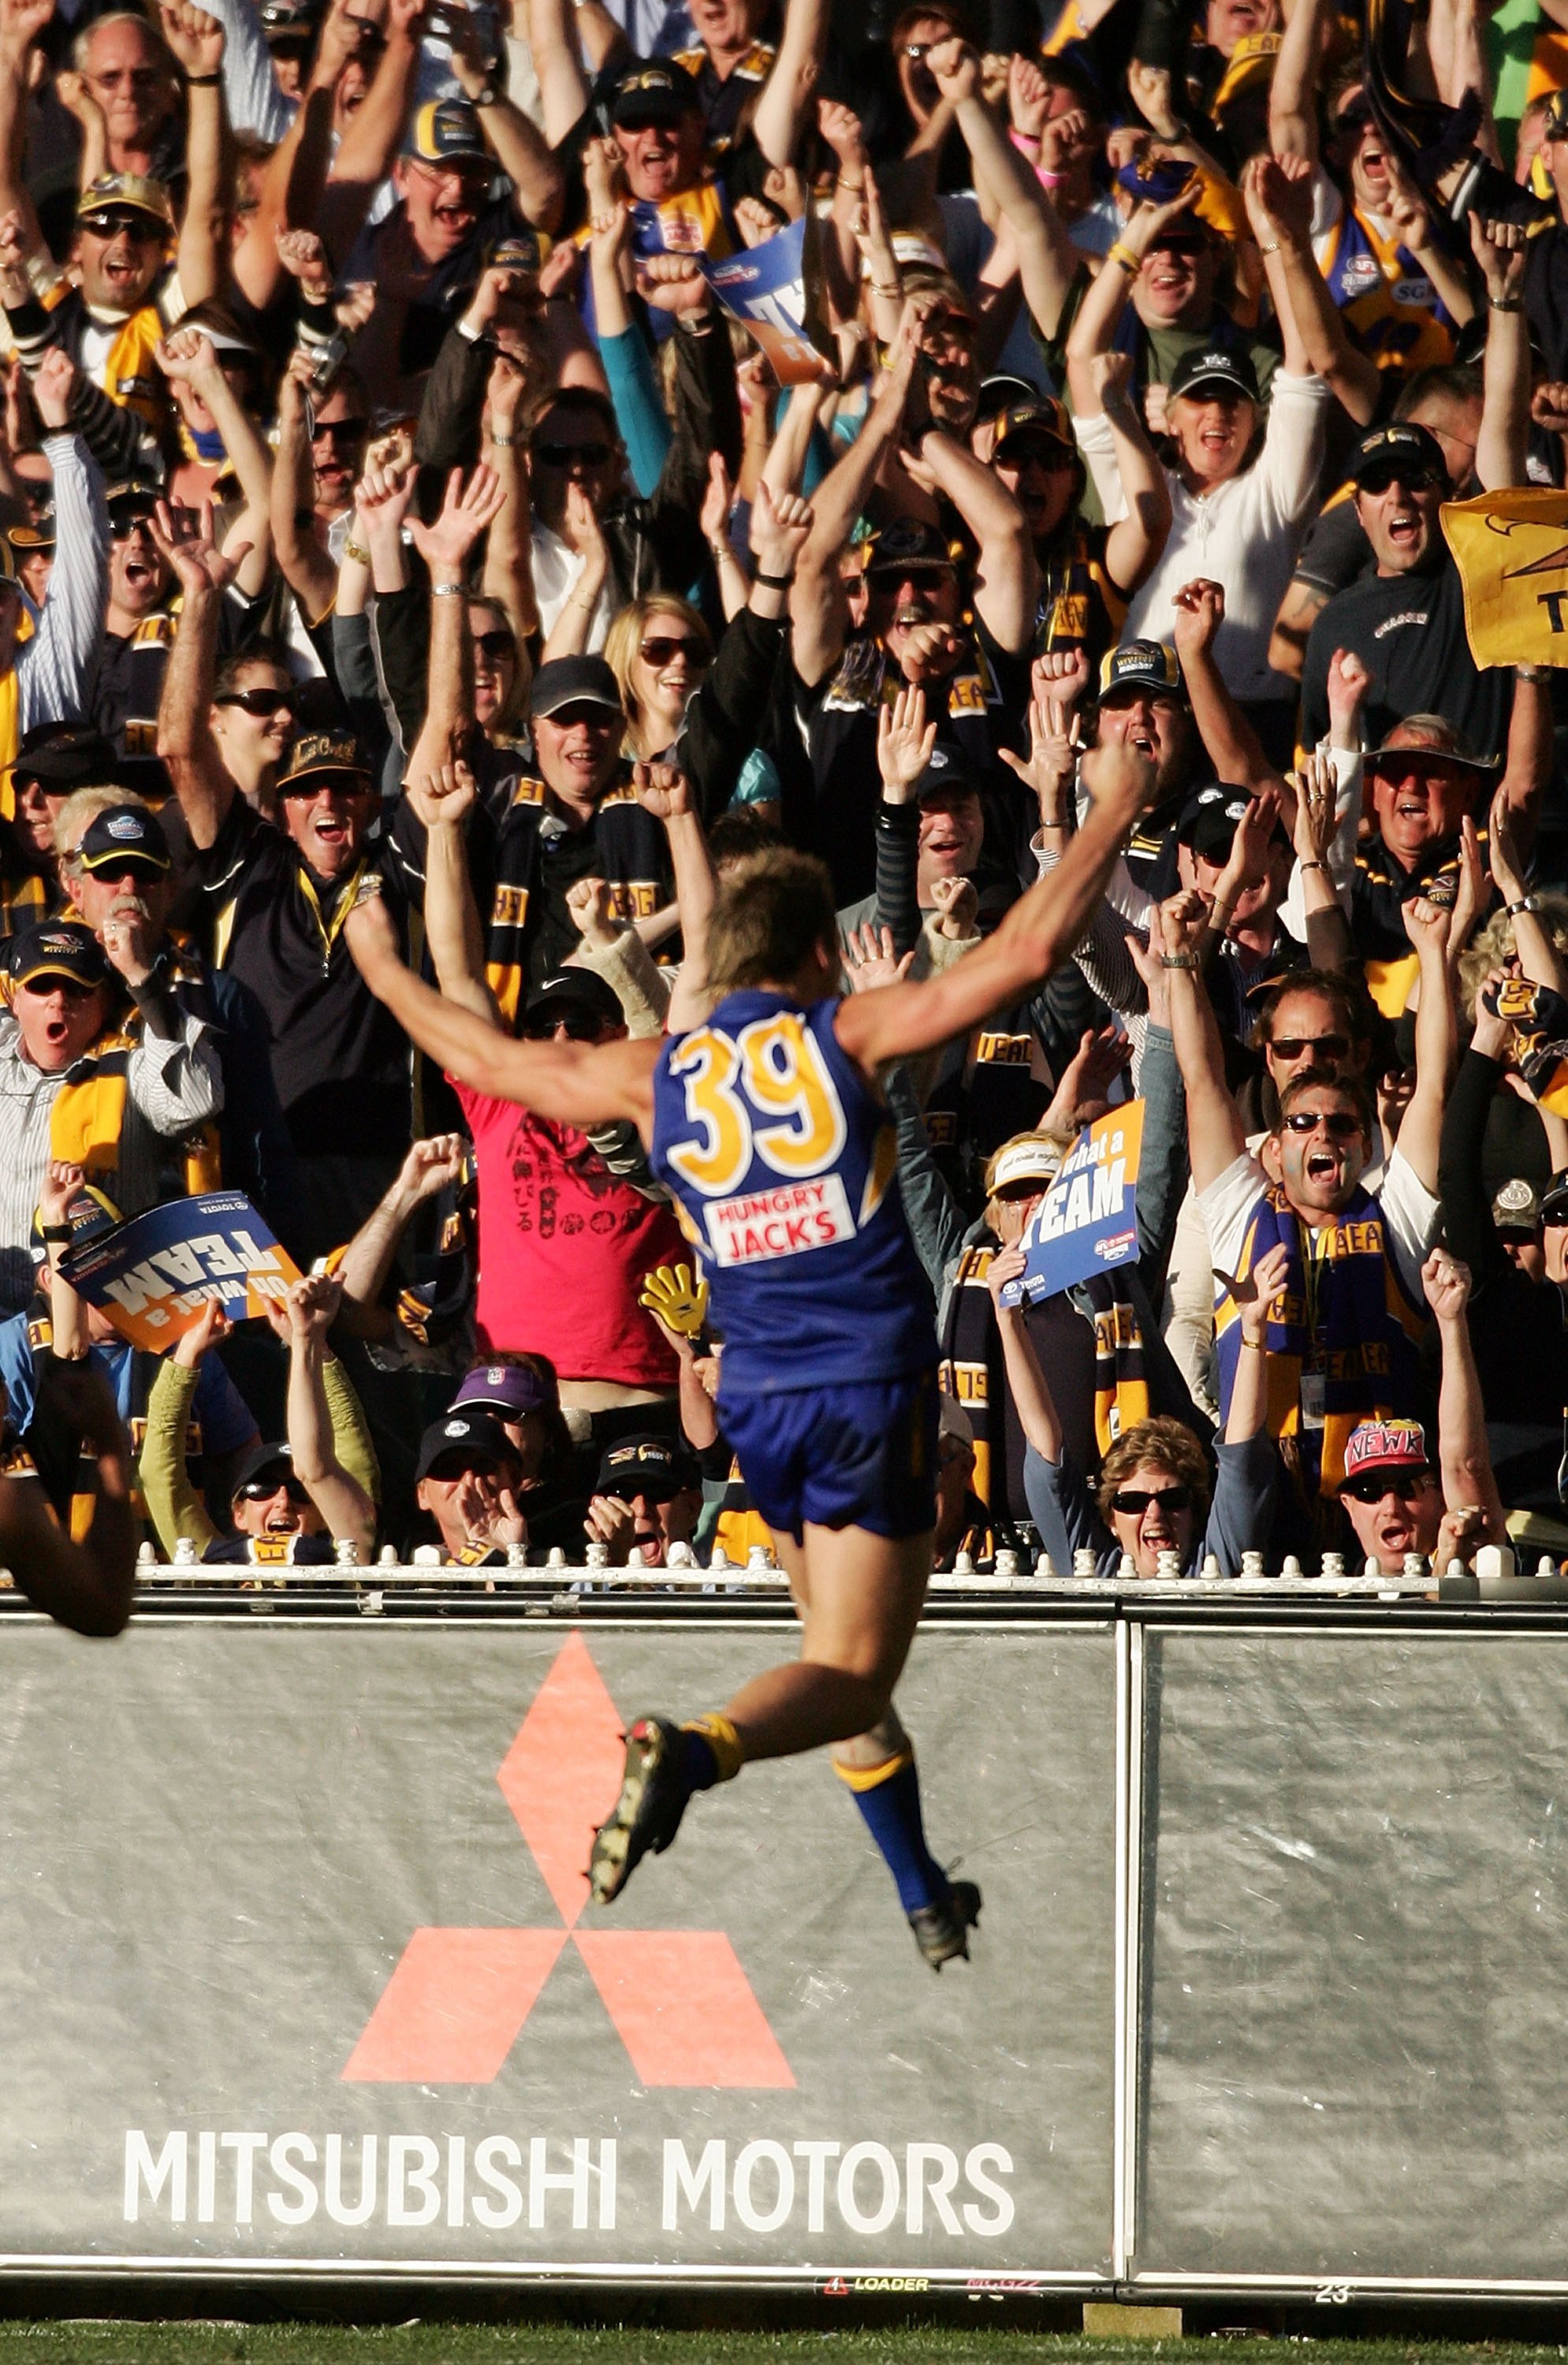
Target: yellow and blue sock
<point x="889" y="1798"/>
<point x="712" y="1751"/>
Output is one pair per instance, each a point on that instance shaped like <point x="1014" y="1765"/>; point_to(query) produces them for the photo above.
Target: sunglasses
<point x="124" y="520"/>
<point x="1374" y="1486"/>
<point x="338" y="433"/>
<point x="658" y="650"/>
<point x="581" y="1027"/>
<point x="1053" y="458"/>
<point x="262" y="702"/>
<point x="1292" y="1047"/>
<point x="562" y="456"/>
<point x="1410" y="480"/>
<point x="142" y="227"/>
<point x="498" y="643"/>
<point x="1339" y="1125"/>
<point x="44" y="988"/>
<point x="258" y="1491"/>
<point x="1136" y="1500"/>
<point x="109" y="873"/>
<point x="1354" y="118"/>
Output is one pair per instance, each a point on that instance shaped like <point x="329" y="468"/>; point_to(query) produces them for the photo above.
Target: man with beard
<point x="974" y="676"/>
<point x="1343" y="1349"/>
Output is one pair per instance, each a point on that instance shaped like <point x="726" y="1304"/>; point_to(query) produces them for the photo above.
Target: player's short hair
<point x="1170" y="1444"/>
<point x="774" y="910"/>
<point x="1321" y="1080"/>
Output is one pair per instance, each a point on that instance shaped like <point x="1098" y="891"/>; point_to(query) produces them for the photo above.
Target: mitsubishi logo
<point x="456" y="2002"/>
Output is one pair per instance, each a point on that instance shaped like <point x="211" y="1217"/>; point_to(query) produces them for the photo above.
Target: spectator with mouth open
<point x="648" y="1496"/>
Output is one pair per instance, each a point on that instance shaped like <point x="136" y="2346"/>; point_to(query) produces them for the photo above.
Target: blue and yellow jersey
<point x="783" y="1167"/>
<point x="1391" y="307"/>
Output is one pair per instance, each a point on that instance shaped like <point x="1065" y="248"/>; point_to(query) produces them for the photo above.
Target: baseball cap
<point x="319" y="753"/>
<point x="1139" y="665"/>
<point x="645" y="1465"/>
<point x="467" y="1437"/>
<point x="1208" y="365"/>
<point x="1389" y="451"/>
<point x="1029" y="1158"/>
<point x="132" y="498"/>
<point x="998" y="393"/>
<point x="131" y="189"/>
<point x="573" y="681"/>
<point x="446" y="131"/>
<point x="1040" y="415"/>
<point x="1516" y="1208"/>
<point x="263" y="1462"/>
<point x="512" y="1390"/>
<point x="523" y="249"/>
<point x="65" y="755"/>
<point x="91" y="1212"/>
<point x="123" y="833"/>
<point x="57" y="948"/>
<point x="1442" y="742"/>
<point x="1386" y="1445"/>
<point x="580" y="989"/>
<point x="289" y="19"/>
<point x="658" y="92"/>
<point x="947" y="775"/>
<point x="1209" y="822"/>
<point x="39" y="532"/>
<point x="906" y="544"/>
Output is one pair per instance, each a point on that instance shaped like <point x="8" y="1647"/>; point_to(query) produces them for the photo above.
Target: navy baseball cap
<point x="573" y="681"/>
<point x="1139" y="665"/>
<point x="121" y="835"/>
<point x="908" y="545"/>
<point x="947" y="775"/>
<point x="1401" y="449"/>
<point x="59" y="949"/>
<point x="645" y="1465"/>
<point x="1211" y="365"/>
<point x="472" y="1438"/>
<point x="662" y="92"/>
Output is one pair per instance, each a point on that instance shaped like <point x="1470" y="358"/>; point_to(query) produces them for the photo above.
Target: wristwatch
<point x="486" y="96"/>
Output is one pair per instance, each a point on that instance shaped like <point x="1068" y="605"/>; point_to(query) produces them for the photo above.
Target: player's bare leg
<point x="860" y="1596"/>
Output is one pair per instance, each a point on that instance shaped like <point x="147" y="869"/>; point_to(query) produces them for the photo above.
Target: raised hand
<point x="756" y="222"/>
<point x="430" y="1165"/>
<point x="1501" y="851"/>
<point x="662" y="789"/>
<point x="840" y="128"/>
<point x="186" y="354"/>
<point x="187" y="546"/>
<point x="1183" y="922"/>
<point x="1150" y="88"/>
<point x="1006" y="1264"/>
<point x="593" y="914"/>
<point x="905" y="742"/>
<point x="58" y="1193"/>
<point x="1446" y="1285"/>
<point x="1348" y="684"/>
<point x="714" y="515"/>
<point x="445" y="796"/>
<point x="955" y="67"/>
<point x="1260" y="1292"/>
<point x="1110" y="374"/>
<point x="672" y="283"/>
<point x="1200" y="612"/>
<point x="204" y="1334"/>
<point x="1028" y="95"/>
<point x="1473" y="893"/>
<point x="956" y="904"/>
<point x="581" y="534"/>
<point x="465" y="514"/>
<point x="504" y="391"/>
<point x="780" y="525"/>
<point x="1499" y="248"/>
<point x="54" y="389"/>
<point x="195" y="38"/>
<point x="869" y="959"/>
<point x="15" y="286"/>
<point x="382" y="496"/>
<point x="1102" y="1056"/>
<point x="1060" y="678"/>
<point x="1052" y="766"/>
<point x="1317" y="810"/>
<point x="1248" y="862"/>
<point x="610" y="1523"/>
<point x="304" y="258"/>
<point x="929" y="651"/>
<point x="313" y="1303"/>
<point x="1426" y="923"/>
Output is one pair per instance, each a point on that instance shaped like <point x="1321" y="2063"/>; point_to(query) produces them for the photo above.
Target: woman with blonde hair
<point x="659" y="650"/>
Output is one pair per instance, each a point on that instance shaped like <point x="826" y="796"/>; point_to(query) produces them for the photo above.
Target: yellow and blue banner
<point x="775" y="290"/>
<point x="155" y="1274"/>
<point x="1087" y="1222"/>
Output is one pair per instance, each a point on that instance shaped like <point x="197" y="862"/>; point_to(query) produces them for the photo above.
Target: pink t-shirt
<point x="563" y="1249"/>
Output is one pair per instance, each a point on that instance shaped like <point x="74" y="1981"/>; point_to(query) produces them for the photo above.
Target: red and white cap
<point x="1386" y="1445"/>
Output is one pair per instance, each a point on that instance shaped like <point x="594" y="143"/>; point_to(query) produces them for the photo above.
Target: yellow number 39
<point x="777" y="1066"/>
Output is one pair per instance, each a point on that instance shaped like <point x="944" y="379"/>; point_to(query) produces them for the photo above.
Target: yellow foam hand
<point x="674" y="1296"/>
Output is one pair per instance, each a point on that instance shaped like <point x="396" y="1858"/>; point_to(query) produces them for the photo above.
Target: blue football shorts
<point x="859" y="1455"/>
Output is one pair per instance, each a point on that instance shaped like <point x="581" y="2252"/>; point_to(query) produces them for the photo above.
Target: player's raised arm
<point x="570" y="1083"/>
<point x="1037" y="935"/>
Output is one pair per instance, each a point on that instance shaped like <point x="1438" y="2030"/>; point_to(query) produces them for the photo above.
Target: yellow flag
<point x="1511" y="549"/>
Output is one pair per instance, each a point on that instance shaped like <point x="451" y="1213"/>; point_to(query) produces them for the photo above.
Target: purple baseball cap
<point x="510" y="1391"/>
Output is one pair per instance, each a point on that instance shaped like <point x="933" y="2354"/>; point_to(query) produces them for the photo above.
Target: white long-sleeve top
<point x="1244" y="534"/>
<point x="56" y="668"/>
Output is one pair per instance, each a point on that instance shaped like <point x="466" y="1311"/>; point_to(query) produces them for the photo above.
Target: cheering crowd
<point x="417" y="554"/>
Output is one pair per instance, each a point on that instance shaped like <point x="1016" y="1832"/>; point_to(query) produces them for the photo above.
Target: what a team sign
<point x="155" y="1275"/>
<point x="1087" y="1222"/>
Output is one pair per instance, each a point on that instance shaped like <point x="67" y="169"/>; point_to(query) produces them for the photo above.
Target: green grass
<point x="99" y="2343"/>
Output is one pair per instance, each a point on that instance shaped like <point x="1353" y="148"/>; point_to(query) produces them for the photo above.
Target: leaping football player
<point x="769" y="1128"/>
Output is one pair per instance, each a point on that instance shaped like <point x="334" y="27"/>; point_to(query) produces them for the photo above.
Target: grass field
<point x="97" y="2343"/>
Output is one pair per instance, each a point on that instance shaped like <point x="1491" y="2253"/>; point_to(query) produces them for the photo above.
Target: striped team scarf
<point x="1540" y="1021"/>
<point x="1342" y="1284"/>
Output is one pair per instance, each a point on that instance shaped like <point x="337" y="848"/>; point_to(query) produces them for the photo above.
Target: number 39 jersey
<point x="783" y="1167"/>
